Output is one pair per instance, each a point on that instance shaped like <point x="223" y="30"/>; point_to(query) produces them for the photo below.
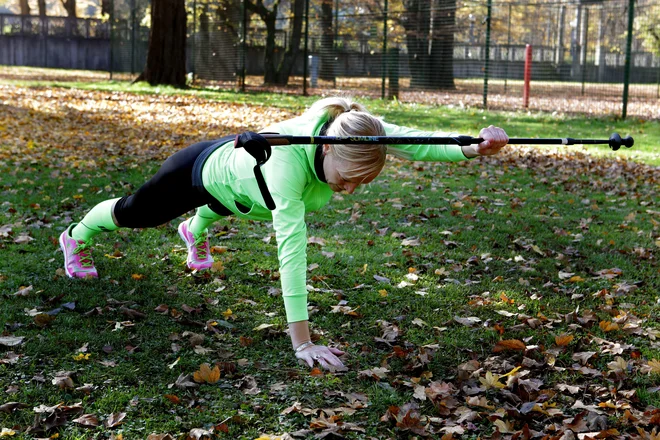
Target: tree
<point x="25" y="7"/>
<point x="166" y="56"/>
<point x="279" y="73"/>
<point x="70" y="7"/>
<point x="430" y="41"/>
<point x="42" y="7"/>
<point x="648" y="26"/>
<point x="105" y="7"/>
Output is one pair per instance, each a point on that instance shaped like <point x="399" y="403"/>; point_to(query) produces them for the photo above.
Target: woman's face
<point x="334" y="174"/>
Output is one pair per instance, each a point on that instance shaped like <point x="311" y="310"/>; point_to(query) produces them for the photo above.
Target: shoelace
<point x="82" y="250"/>
<point x="200" y="245"/>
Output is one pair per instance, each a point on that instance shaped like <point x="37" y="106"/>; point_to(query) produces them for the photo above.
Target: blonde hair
<point x="349" y="118"/>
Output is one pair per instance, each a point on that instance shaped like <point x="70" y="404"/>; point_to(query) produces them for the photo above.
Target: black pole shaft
<point x="420" y="140"/>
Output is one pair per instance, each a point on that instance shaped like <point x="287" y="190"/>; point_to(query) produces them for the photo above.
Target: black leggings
<point x="171" y="192"/>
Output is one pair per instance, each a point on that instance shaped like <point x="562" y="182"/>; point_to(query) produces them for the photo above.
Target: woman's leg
<point x="98" y="219"/>
<point x="166" y="196"/>
<point x="204" y="217"/>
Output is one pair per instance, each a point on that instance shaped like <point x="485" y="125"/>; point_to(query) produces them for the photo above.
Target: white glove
<point x="325" y="356"/>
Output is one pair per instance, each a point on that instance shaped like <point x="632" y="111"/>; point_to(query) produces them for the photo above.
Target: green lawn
<point x="437" y="279"/>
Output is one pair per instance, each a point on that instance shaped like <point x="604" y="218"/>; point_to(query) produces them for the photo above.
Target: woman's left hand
<point x="494" y="139"/>
<point x="325" y="356"/>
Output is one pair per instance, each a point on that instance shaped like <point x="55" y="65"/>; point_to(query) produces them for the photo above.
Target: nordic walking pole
<point x="615" y="141"/>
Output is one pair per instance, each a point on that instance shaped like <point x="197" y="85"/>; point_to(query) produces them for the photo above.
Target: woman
<point x="219" y="180"/>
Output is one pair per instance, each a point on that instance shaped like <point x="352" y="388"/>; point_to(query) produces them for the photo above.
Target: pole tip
<point x="616" y="141"/>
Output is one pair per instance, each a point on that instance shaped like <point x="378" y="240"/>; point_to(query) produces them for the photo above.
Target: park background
<point x="598" y="57"/>
<point x="513" y="296"/>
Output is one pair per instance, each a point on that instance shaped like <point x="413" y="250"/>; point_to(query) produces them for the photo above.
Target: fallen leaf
<point x="563" y="340"/>
<point x="24" y="291"/>
<point x="11" y="341"/>
<point x="608" y="326"/>
<point x="470" y="321"/>
<point x="491" y="381"/>
<point x="114" y="419"/>
<point x="509" y="344"/>
<point x="87" y="420"/>
<point x="206" y="374"/>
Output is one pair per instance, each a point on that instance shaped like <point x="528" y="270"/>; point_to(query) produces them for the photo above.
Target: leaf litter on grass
<point x="545" y="374"/>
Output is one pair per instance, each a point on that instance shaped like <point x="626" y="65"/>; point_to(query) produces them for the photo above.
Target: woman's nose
<point x="349" y="187"/>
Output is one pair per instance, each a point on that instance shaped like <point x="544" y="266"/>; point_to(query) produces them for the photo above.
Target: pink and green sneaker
<point x="78" y="262"/>
<point x="199" y="252"/>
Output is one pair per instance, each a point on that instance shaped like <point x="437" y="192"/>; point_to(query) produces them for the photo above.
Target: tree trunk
<point x="70" y="7"/>
<point x="279" y="74"/>
<point x="166" y="56"/>
<point x="105" y="7"/>
<point x="442" y="49"/>
<point x="42" y="7"/>
<point x="25" y="7"/>
<point x="286" y="66"/>
<point x="328" y="61"/>
<point x="430" y="41"/>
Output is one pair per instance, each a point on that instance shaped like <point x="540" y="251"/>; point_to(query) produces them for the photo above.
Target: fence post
<point x="44" y="35"/>
<point x="194" y="39"/>
<point x="488" y="19"/>
<point x="110" y="20"/>
<point x="508" y="51"/>
<point x="305" y="55"/>
<point x="132" y="37"/>
<point x="626" y="71"/>
<point x="393" y="73"/>
<point x="336" y="45"/>
<point x="527" y="74"/>
<point x="385" y="55"/>
<point x="244" y="45"/>
<point x="585" y="43"/>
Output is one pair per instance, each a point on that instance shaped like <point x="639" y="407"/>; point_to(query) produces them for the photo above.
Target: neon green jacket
<point x="295" y="187"/>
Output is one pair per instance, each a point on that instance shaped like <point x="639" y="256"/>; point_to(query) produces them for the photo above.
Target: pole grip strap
<point x="258" y="147"/>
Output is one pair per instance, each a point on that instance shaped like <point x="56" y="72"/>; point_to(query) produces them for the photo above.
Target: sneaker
<point x="78" y="262"/>
<point x="199" y="252"/>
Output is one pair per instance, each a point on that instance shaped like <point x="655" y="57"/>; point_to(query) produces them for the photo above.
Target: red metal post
<point x="528" y="74"/>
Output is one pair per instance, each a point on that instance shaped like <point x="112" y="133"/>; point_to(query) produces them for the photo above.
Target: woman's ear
<point x="326" y="149"/>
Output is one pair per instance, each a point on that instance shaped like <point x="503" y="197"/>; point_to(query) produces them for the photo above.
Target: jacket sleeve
<point x="430" y="153"/>
<point x="286" y="186"/>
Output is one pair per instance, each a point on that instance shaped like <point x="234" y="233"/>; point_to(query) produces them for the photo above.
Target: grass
<point x="492" y="239"/>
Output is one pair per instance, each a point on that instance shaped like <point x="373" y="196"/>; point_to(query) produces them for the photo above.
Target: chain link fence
<point x="463" y="53"/>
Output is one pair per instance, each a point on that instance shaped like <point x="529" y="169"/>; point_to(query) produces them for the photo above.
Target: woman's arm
<point x="494" y="139"/>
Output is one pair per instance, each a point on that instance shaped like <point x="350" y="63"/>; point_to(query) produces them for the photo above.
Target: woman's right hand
<point x="325" y="356"/>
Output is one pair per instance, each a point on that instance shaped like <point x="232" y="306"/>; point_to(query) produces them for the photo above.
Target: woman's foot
<point x="78" y="262"/>
<point x="199" y="252"/>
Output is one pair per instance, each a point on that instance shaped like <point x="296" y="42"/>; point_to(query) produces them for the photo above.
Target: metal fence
<point x="462" y="53"/>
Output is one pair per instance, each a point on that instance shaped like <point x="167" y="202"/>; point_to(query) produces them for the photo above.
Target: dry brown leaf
<point x="206" y="374"/>
<point x="608" y="326"/>
<point x="509" y="344"/>
<point x="115" y="419"/>
<point x="87" y="420"/>
<point x="563" y="340"/>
